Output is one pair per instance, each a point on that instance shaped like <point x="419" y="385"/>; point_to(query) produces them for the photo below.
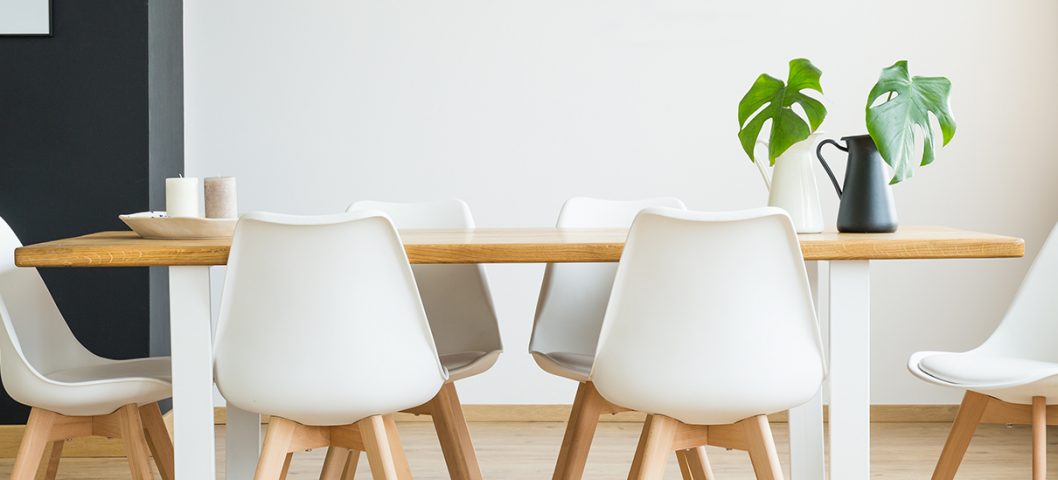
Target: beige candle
<point x="221" y="198"/>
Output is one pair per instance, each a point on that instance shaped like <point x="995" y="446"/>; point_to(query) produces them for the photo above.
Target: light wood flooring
<point x="512" y="451"/>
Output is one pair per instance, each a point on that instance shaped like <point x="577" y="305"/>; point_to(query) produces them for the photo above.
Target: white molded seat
<point x="982" y="371"/>
<point x="456" y="297"/>
<point x="320" y="321"/>
<point x="1019" y="360"/>
<point x="322" y="327"/>
<point x="1011" y="378"/>
<point x="72" y="391"/>
<point x="710" y="327"/>
<point x="154" y="368"/>
<point x="573" y="296"/>
<point x="43" y="365"/>
<point x="574" y="366"/>
<point x="711" y="319"/>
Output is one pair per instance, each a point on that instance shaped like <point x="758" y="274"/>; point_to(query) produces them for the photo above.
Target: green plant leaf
<point x="771" y="99"/>
<point x="892" y="123"/>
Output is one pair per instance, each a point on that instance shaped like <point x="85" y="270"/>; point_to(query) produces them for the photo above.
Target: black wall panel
<point x="75" y="151"/>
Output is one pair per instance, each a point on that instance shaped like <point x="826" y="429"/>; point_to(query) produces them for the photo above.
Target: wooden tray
<point x="156" y="225"/>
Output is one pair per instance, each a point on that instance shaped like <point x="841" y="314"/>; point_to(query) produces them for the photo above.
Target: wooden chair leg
<point x="452" y="431"/>
<point x="168" y="419"/>
<point x="51" y="467"/>
<point x="340" y="464"/>
<point x="158" y="440"/>
<point x="655" y="446"/>
<point x="580" y="429"/>
<point x="270" y="465"/>
<point x="350" y="466"/>
<point x="1039" y="438"/>
<point x="34" y="441"/>
<point x="962" y="430"/>
<point x="384" y="452"/>
<point x="694" y="464"/>
<point x="286" y="466"/>
<point x="334" y="463"/>
<point x="762" y="448"/>
<point x="400" y="459"/>
<point x="131" y="427"/>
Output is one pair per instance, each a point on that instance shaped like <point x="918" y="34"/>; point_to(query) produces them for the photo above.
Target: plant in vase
<point x="791" y="139"/>
<point x="894" y="126"/>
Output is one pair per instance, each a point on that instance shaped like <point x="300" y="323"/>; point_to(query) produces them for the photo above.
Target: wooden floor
<point x="512" y="451"/>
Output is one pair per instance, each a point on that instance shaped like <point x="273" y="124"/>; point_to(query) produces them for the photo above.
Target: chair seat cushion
<point x="101" y="386"/>
<point x="983" y="369"/>
<point x="467" y="364"/>
<point x="156" y="368"/>
<point x="574" y="366"/>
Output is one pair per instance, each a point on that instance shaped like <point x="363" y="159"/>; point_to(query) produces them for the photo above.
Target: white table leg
<point x="807" y="458"/>
<point x="243" y="443"/>
<point x="850" y="370"/>
<point x="192" y="345"/>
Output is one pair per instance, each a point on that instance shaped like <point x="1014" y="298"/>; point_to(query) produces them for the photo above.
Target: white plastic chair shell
<point x="456" y="297"/>
<point x="43" y="365"/>
<point x="1020" y="359"/>
<point x="711" y="319"/>
<point x="573" y="296"/>
<point x="320" y="320"/>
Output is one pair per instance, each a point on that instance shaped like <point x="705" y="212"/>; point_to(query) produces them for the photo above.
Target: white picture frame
<point x="25" y="18"/>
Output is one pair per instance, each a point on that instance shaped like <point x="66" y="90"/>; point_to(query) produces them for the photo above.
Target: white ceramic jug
<point x="792" y="184"/>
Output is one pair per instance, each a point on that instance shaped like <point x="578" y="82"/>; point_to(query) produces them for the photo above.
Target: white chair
<point x="710" y="327"/>
<point x="569" y="315"/>
<point x="322" y="328"/>
<point x="73" y="392"/>
<point x="1012" y="378"/>
<point x="462" y="319"/>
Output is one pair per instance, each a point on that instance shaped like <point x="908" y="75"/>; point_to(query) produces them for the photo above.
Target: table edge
<point x="41" y="256"/>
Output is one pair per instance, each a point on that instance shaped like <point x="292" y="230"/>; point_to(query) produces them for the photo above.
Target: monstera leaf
<point x="892" y="123"/>
<point x="777" y="99"/>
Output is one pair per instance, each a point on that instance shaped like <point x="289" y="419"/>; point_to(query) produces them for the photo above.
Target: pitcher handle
<point x="763" y="173"/>
<point x="830" y="173"/>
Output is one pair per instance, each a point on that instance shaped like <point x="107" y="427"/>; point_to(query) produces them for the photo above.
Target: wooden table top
<point x="516" y="245"/>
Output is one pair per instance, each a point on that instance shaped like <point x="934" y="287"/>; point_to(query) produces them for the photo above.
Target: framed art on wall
<point x="25" y="18"/>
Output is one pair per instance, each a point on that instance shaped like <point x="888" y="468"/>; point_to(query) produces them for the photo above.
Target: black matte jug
<point x="866" y="200"/>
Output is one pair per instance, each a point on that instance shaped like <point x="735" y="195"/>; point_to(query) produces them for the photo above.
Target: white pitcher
<point x="792" y="184"/>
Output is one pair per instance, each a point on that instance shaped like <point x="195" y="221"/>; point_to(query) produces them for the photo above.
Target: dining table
<point x="842" y="293"/>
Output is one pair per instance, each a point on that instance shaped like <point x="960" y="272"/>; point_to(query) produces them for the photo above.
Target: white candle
<point x="220" y="197"/>
<point x="181" y="197"/>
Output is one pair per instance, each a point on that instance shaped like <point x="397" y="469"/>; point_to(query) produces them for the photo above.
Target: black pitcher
<point x="866" y="201"/>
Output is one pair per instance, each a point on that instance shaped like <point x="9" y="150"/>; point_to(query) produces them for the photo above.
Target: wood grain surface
<point x="516" y="245"/>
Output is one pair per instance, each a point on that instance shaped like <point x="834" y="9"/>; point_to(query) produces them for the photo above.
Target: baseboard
<point x="11" y="435"/>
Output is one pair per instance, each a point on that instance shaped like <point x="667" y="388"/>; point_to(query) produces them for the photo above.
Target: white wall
<point x="516" y="105"/>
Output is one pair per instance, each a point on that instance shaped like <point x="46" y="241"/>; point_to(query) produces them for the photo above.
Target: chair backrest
<point x="711" y="318"/>
<point x="1030" y="327"/>
<point x="573" y="296"/>
<point x="320" y="320"/>
<point x="35" y="339"/>
<point x="456" y="297"/>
